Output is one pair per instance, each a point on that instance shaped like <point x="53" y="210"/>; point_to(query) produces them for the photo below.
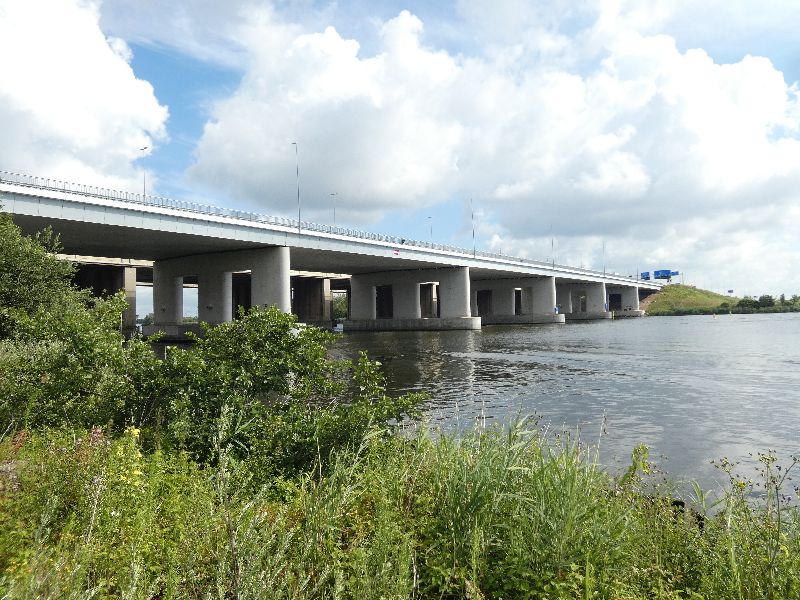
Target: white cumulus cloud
<point x="70" y="104"/>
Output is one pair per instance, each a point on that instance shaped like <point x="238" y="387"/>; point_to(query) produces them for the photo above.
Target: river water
<point x="692" y="388"/>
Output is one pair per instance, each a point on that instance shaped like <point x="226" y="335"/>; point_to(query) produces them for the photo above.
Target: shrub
<point x="72" y="367"/>
<point x="292" y="404"/>
<point x="31" y="277"/>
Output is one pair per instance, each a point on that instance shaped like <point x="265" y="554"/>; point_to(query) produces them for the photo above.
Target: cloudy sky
<point x="666" y="131"/>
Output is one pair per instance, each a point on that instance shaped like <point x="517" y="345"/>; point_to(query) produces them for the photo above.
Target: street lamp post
<point x="430" y="223"/>
<point x="333" y="198"/>
<point x="297" y="168"/>
<point x="604" y="258"/>
<point x="472" y="217"/>
<point x="144" y="176"/>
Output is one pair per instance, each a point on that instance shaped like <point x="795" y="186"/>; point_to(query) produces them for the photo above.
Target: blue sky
<point x="667" y="131"/>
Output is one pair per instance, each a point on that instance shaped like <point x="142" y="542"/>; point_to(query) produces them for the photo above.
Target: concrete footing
<point x="521" y="319"/>
<point x="590" y="316"/>
<point x="434" y="324"/>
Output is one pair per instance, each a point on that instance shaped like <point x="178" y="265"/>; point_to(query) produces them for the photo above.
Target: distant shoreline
<point x="682" y="312"/>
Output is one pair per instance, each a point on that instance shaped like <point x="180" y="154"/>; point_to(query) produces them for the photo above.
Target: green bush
<point x="292" y="404"/>
<point x="71" y="366"/>
<point x="31" y="277"/>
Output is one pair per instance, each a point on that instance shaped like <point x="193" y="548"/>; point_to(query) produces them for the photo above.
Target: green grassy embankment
<point x="685" y="300"/>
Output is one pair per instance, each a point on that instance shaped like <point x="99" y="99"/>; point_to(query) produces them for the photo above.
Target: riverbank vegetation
<point x="254" y="466"/>
<point x="675" y="300"/>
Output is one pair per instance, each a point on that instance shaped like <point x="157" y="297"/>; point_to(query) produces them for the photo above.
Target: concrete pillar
<point x="327" y="299"/>
<point x="454" y="288"/>
<point x="109" y="279"/>
<point x="128" y="284"/>
<point x="630" y="298"/>
<point x="526" y="297"/>
<point x="215" y="297"/>
<point x="544" y="296"/>
<point x="406" y="300"/>
<point x="473" y="302"/>
<point x="310" y="302"/>
<point x="167" y="295"/>
<point x="596" y="299"/>
<point x="270" y="281"/>
<point x="564" y="298"/>
<point x="362" y="299"/>
<point x="503" y="301"/>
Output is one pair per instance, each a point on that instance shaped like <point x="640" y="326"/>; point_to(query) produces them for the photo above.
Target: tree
<point x="765" y="301"/>
<point x="31" y="276"/>
<point x="747" y="303"/>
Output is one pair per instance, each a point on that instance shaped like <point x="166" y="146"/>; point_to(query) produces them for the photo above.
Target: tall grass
<point x="492" y="514"/>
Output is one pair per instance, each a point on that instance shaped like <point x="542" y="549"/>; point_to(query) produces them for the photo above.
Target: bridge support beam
<point x="391" y="300"/>
<point x="537" y="301"/>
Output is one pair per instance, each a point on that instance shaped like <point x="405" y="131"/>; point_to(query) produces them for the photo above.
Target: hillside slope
<point x="684" y="299"/>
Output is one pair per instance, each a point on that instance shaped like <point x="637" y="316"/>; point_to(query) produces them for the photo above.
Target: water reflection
<point x="693" y="388"/>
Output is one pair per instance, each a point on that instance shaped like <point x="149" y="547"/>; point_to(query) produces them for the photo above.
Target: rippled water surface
<point x="693" y="388"/>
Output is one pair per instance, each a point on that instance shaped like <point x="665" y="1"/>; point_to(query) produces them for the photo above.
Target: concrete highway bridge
<point x="242" y="258"/>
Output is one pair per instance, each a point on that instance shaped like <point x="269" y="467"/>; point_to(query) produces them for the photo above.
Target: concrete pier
<point x="624" y="301"/>
<point x="586" y="301"/>
<point x="270" y="286"/>
<point x="392" y="300"/>
<point x="528" y="300"/>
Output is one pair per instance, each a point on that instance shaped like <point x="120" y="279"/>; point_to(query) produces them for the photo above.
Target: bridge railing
<point x="56" y="185"/>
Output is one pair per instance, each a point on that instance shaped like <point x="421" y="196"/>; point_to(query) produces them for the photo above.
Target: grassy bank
<point x="490" y="515"/>
<point x="682" y="299"/>
<point x="673" y="300"/>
